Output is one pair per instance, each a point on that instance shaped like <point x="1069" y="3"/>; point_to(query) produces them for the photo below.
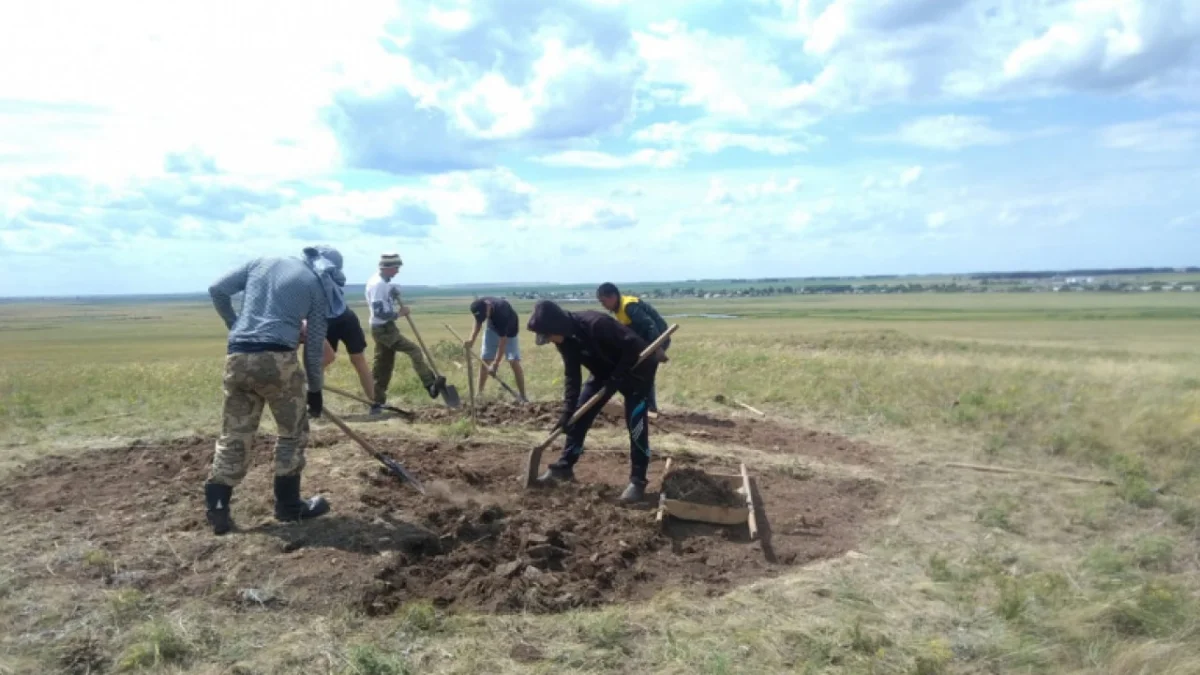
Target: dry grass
<point x="967" y="573"/>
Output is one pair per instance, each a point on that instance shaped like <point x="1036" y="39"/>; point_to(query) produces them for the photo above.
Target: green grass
<point x="969" y="572"/>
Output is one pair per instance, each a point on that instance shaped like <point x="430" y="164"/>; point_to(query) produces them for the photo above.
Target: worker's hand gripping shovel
<point x="529" y="475"/>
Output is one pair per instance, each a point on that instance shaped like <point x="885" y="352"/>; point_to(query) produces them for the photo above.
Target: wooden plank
<point x="751" y="519"/>
<point x="1029" y="472"/>
<point x="717" y="515"/>
<point x="662" y="494"/>
<point x="751" y="409"/>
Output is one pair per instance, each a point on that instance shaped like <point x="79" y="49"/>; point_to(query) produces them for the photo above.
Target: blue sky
<point x="149" y="146"/>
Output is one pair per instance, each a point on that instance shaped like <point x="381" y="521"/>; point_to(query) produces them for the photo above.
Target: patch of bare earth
<point x="765" y="435"/>
<point x="134" y="517"/>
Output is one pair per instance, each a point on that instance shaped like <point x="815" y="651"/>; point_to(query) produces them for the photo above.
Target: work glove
<point x="315" y="404"/>
<point x="564" y="421"/>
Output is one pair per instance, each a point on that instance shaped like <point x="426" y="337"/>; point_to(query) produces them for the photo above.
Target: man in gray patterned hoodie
<point x="262" y="369"/>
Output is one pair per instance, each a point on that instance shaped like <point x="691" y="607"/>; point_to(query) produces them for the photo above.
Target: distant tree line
<point x="1049" y="274"/>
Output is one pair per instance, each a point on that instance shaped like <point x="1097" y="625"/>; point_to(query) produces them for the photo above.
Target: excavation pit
<point x="134" y="517"/>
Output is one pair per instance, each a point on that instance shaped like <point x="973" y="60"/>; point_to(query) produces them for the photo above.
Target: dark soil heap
<point x="693" y="485"/>
<point x="478" y="541"/>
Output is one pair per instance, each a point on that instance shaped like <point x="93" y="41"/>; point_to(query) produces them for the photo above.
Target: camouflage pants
<point x="388" y="341"/>
<point x="251" y="382"/>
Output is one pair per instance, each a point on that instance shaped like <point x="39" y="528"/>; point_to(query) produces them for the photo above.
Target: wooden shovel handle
<point x="417" y="334"/>
<point x="471" y="355"/>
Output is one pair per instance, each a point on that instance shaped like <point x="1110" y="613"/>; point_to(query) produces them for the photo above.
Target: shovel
<point x="449" y="393"/>
<point x="535" y="455"/>
<point x="471" y="355"/>
<point x="392" y="465"/>
<point x="406" y="414"/>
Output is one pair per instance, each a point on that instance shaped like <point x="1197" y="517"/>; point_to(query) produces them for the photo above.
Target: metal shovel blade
<point x="399" y="471"/>
<point x="450" y="396"/>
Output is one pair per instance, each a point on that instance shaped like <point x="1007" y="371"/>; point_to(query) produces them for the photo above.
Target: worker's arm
<point x="394" y="293"/>
<point x="642" y="321"/>
<point x="479" y="321"/>
<point x="314" y="341"/>
<point x="572" y="380"/>
<point x="223" y="290"/>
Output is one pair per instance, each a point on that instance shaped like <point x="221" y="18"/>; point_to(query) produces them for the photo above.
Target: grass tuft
<point x="370" y="660"/>
<point x="157" y="643"/>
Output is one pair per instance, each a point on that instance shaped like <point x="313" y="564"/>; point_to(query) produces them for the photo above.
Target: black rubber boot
<point x="436" y="387"/>
<point x="634" y="492"/>
<point x="216" y="497"/>
<point x="557" y="474"/>
<point x="288" y="504"/>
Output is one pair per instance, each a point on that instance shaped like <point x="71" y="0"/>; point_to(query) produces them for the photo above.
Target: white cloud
<point x="693" y="138"/>
<point x="910" y="175"/>
<point x="720" y="193"/>
<point x="597" y="215"/>
<point x="877" y="51"/>
<point x="1192" y="218"/>
<point x="1169" y="133"/>
<point x="133" y="80"/>
<point x="593" y="159"/>
<point x="1109" y="44"/>
<point x="211" y="131"/>
<point x="726" y="77"/>
<point x="951" y="132"/>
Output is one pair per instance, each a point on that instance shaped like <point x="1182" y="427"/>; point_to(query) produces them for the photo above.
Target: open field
<point x="881" y="559"/>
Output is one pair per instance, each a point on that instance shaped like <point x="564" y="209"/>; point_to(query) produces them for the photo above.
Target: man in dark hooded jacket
<point x="609" y="351"/>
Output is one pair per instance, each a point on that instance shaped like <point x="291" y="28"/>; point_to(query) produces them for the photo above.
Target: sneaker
<point x="376" y="410"/>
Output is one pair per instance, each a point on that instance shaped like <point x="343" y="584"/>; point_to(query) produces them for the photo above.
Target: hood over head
<point x="549" y="319"/>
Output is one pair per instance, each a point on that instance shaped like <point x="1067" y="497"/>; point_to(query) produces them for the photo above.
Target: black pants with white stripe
<point x="636" y="392"/>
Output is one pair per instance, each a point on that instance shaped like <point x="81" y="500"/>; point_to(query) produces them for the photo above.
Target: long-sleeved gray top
<point x="279" y="294"/>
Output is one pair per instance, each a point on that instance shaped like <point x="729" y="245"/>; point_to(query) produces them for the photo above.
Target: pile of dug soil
<point x="693" y="485"/>
<point x="134" y="517"/>
<point x="580" y="550"/>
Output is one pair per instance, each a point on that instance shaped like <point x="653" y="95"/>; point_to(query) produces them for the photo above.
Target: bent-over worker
<point x="609" y="351"/>
<point x="262" y="369"/>
<point x="500" y="339"/>
<point x="342" y="325"/>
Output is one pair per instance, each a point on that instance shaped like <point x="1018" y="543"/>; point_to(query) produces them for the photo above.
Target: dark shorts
<point x="346" y="328"/>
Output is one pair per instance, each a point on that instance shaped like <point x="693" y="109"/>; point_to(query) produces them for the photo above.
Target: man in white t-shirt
<point x="382" y="299"/>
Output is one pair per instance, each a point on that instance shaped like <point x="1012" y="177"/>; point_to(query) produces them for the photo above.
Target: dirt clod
<point x="694" y="485"/>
